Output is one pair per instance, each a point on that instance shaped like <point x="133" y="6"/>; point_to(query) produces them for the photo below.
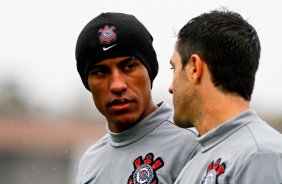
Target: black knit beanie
<point x="111" y="35"/>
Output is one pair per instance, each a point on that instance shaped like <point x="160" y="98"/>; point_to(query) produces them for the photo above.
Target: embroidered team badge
<point x="107" y="34"/>
<point x="145" y="170"/>
<point x="213" y="171"/>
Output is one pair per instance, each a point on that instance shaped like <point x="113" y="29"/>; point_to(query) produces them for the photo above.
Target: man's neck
<point x="218" y="110"/>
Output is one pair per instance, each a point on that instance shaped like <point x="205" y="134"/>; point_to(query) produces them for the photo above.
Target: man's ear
<point x="197" y="65"/>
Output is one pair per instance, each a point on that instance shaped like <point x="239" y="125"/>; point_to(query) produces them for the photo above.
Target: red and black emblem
<point x="213" y="171"/>
<point x="145" y="170"/>
<point x="107" y="34"/>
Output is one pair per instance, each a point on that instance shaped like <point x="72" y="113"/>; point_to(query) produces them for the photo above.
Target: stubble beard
<point x="187" y="113"/>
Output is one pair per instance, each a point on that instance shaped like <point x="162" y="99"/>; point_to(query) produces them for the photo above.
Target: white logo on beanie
<point x="107" y="48"/>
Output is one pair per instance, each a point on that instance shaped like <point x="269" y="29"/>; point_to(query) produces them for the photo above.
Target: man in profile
<point x="215" y="61"/>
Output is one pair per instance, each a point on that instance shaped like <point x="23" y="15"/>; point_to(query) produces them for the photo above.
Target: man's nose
<point x="170" y="89"/>
<point x="118" y="83"/>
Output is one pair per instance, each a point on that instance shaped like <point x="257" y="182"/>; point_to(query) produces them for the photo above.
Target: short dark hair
<point x="228" y="44"/>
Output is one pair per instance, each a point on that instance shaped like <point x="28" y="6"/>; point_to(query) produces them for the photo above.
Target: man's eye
<point x="129" y="66"/>
<point x="172" y="68"/>
<point x="97" y="72"/>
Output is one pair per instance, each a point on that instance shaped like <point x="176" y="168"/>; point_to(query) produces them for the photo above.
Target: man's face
<point x="121" y="89"/>
<point x="184" y="94"/>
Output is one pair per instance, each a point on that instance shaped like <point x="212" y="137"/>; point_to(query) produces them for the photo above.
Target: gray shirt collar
<point x="142" y="128"/>
<point x="219" y="134"/>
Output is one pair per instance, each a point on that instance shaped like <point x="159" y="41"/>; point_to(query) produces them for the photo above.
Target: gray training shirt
<point x="243" y="150"/>
<point x="152" y="151"/>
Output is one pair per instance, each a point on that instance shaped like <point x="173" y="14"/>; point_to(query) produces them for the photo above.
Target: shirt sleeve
<point x="261" y="168"/>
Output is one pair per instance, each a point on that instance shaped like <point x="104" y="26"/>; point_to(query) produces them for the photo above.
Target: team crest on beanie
<point x="107" y="34"/>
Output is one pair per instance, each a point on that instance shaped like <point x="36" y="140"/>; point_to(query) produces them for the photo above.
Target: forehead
<point x="118" y="61"/>
<point x="115" y="60"/>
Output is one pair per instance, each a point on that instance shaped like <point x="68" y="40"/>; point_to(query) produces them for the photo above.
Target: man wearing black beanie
<point x="117" y="64"/>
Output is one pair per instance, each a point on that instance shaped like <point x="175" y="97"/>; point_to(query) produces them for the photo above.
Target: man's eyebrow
<point x="97" y="66"/>
<point x="125" y="60"/>
<point x="170" y="61"/>
<point x="122" y="62"/>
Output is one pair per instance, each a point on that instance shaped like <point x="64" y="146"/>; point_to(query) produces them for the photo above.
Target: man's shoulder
<point x="92" y="158"/>
<point x="267" y="163"/>
<point x="96" y="149"/>
<point x="252" y="142"/>
<point x="265" y="137"/>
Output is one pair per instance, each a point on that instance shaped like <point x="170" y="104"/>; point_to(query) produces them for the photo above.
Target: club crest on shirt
<point x="107" y="34"/>
<point x="145" y="170"/>
<point x="213" y="172"/>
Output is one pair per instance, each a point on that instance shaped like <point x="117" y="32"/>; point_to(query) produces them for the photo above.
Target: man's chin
<point x="123" y="121"/>
<point x="182" y="123"/>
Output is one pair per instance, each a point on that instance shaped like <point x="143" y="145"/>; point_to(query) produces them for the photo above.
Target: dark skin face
<point x="121" y="90"/>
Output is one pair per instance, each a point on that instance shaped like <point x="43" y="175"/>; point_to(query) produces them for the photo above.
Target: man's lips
<point x="120" y="104"/>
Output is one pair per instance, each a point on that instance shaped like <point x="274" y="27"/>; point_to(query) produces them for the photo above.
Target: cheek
<point x="142" y="84"/>
<point x="100" y="104"/>
<point x="99" y="96"/>
<point x="176" y="85"/>
<point x="142" y="89"/>
<point x="97" y="100"/>
<point x="97" y="87"/>
<point x="180" y="91"/>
